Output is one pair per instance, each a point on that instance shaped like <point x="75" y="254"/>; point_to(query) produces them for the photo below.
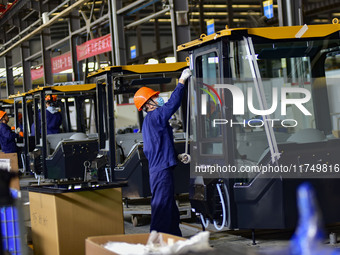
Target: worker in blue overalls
<point x="159" y="149"/>
<point x="7" y="137"/>
<point x="53" y="116"/>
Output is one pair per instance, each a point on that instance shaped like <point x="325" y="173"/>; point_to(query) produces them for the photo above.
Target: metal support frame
<point x="100" y="110"/>
<point x="78" y="104"/>
<point x="67" y="116"/>
<point x="43" y="26"/>
<point x="275" y="154"/>
<point x="130" y="6"/>
<point x="43" y="131"/>
<point x="147" y="18"/>
<point x="105" y="117"/>
<point x="24" y="125"/>
<point x="37" y="128"/>
<point x="45" y="40"/>
<point x="9" y="75"/>
<point x="118" y="41"/>
<point x="230" y="14"/>
<point x="111" y="122"/>
<point x="74" y="24"/>
<point x="290" y="12"/>
<point x="181" y="34"/>
<point x="26" y="65"/>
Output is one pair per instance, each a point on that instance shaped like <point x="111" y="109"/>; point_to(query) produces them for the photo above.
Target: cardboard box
<point x="14" y="166"/>
<point x="94" y="243"/>
<point x="61" y="222"/>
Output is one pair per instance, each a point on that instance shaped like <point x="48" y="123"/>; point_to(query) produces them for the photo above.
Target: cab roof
<point x="142" y="69"/>
<point x="273" y="33"/>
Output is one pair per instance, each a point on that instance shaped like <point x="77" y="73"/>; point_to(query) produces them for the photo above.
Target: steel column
<point x="182" y="33"/>
<point x="9" y="74"/>
<point x="26" y="65"/>
<point x="100" y="113"/>
<point x="74" y="24"/>
<point x="111" y="126"/>
<point x="25" y="130"/>
<point x="230" y="14"/>
<point x="45" y="40"/>
<point x="43" y="131"/>
<point x="117" y="38"/>
<point x="37" y="125"/>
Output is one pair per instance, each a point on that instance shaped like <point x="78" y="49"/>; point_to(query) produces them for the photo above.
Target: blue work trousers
<point x="164" y="211"/>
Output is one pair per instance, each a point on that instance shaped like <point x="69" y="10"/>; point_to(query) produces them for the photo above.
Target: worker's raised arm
<point x="176" y="97"/>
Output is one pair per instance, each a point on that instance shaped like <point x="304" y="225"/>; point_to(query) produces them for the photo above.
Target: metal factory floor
<point x="227" y="242"/>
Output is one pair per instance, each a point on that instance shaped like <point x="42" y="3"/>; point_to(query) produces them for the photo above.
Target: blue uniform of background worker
<point x="7" y="137"/>
<point x="159" y="149"/>
<point x="53" y="116"/>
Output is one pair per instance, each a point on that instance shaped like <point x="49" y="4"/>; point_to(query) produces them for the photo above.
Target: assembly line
<point x="232" y="151"/>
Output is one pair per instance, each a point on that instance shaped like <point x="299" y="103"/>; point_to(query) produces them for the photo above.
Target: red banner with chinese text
<point x="62" y="62"/>
<point x="94" y="47"/>
<point x="37" y="73"/>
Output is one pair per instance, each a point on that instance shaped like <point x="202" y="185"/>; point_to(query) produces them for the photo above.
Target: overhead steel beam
<point x="142" y="7"/>
<point x="101" y="20"/>
<point x="130" y="6"/>
<point x="13" y="11"/>
<point x="147" y="18"/>
<point x="320" y="7"/>
<point x="43" y="26"/>
<point x="34" y="56"/>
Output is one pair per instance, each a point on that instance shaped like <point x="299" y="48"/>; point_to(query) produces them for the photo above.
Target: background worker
<point x="53" y="116"/>
<point x="159" y="149"/>
<point x="7" y="137"/>
<point x="19" y="130"/>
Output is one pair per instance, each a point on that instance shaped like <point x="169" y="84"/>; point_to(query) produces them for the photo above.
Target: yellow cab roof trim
<point x="7" y="101"/>
<point x="274" y="33"/>
<point x="18" y="95"/>
<point x="141" y="69"/>
<point x="72" y="88"/>
<point x="66" y="88"/>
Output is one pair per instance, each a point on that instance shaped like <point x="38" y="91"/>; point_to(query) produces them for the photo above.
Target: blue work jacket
<point x="7" y="139"/>
<point x="158" y="138"/>
<point x="53" y="120"/>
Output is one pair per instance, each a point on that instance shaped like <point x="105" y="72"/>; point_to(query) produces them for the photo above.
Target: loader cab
<point x="260" y="97"/>
<point x="61" y="155"/>
<point x="116" y="86"/>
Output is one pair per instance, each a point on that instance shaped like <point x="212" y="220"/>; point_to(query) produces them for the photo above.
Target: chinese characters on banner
<point x="59" y="64"/>
<point x="86" y="50"/>
<point x="94" y="47"/>
<point x="37" y="73"/>
<point x="62" y="62"/>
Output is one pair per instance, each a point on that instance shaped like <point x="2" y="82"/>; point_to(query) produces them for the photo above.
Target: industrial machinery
<point x="65" y="155"/>
<point x="129" y="163"/>
<point x="264" y="119"/>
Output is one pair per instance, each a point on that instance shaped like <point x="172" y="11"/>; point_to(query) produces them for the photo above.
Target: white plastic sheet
<point x="156" y="245"/>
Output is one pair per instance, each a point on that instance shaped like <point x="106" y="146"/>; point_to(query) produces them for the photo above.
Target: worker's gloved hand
<point x="185" y="74"/>
<point x="17" y="131"/>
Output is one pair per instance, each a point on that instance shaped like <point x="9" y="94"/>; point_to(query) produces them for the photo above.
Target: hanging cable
<point x="204" y="223"/>
<point x="224" y="216"/>
<point x="228" y="220"/>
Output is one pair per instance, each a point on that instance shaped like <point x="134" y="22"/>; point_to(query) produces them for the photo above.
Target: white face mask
<point x="52" y="109"/>
<point x="160" y="101"/>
